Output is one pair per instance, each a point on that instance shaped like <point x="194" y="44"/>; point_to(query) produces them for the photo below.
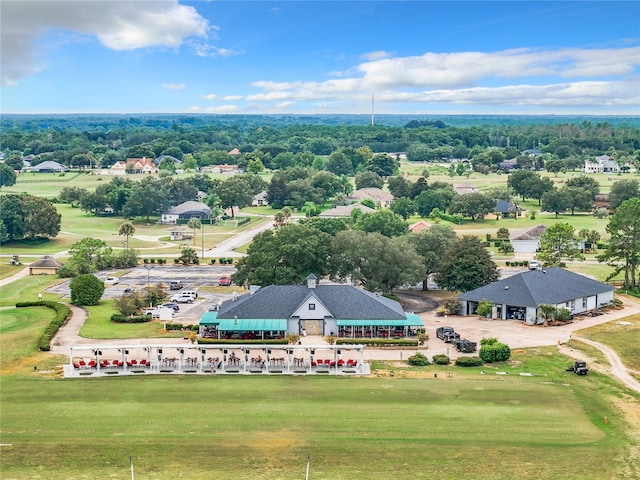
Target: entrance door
<point x="313" y="327"/>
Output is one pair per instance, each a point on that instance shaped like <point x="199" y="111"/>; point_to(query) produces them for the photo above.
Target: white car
<point x="534" y="265"/>
<point x="111" y="281"/>
<point x="180" y="298"/>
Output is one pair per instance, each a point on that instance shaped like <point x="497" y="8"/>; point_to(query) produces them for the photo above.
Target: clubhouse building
<point x="312" y="309"/>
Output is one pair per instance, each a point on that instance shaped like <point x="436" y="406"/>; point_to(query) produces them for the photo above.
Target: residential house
<point x="519" y="296"/>
<point x="224" y="169"/>
<point x="510" y="164"/>
<point x="186" y="211"/>
<point x="527" y="241"/>
<point x="46" y="265"/>
<point x="140" y="165"/>
<point x="48" y="166"/>
<point x="260" y="200"/>
<point x="344" y="211"/>
<point x="601" y="164"/>
<point x="118" y="168"/>
<point x="379" y="196"/>
<point x="419" y="226"/>
<point x="311" y="309"/>
<point x="508" y="209"/>
<point x="465" y="188"/>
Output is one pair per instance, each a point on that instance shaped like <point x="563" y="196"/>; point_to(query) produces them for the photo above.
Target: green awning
<point x="209" y="319"/>
<point x="252" y="324"/>
<point x="411" y="321"/>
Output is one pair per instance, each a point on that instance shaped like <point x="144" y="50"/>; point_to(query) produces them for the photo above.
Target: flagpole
<point x="308" y="462"/>
<point x="131" y="462"/>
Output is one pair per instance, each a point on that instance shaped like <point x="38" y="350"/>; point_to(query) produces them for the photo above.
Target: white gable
<point x="311" y="308"/>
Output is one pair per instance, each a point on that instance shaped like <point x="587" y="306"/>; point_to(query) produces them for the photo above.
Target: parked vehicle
<point x="534" y="265"/>
<point x="225" y="281"/>
<point x="579" y="368"/>
<point x="192" y="293"/>
<point x="111" y="281"/>
<point x="173" y="305"/>
<point x="175" y="285"/>
<point x="465" y="346"/>
<point x="182" y="298"/>
<point x="154" y="312"/>
<point x="447" y="334"/>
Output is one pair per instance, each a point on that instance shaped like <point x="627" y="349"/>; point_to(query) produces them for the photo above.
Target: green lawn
<point x="619" y="337"/>
<point x="471" y="425"/>
<point x="264" y="428"/>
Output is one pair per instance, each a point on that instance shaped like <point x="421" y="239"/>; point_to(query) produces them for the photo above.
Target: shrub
<point x="563" y="315"/>
<point x="469" y="362"/>
<point x="485" y="308"/>
<point x="422" y="338"/>
<point x="453" y="306"/>
<point x="488" y="341"/>
<point x="377" y="342"/>
<point x="331" y="339"/>
<point x="116" y="318"/>
<point x="145" y="260"/>
<point x="495" y="352"/>
<point x="418" y="360"/>
<point x="441" y="359"/>
<point x="62" y="313"/>
<point x="213" y="260"/>
<point x="175" y="260"/>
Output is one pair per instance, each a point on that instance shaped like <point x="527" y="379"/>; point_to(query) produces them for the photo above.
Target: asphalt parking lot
<point x="193" y="277"/>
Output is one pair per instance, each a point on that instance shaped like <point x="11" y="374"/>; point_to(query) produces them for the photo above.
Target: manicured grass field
<point x="264" y="428"/>
<point x="414" y="425"/>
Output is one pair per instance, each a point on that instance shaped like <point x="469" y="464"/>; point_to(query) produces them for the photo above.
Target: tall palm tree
<point x="546" y="312"/>
<point x="126" y="230"/>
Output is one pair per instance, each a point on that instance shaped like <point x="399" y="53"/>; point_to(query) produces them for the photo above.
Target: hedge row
<point x="377" y="342"/>
<point x="224" y="341"/>
<point x="179" y="326"/>
<point x="117" y="318"/>
<point x="522" y="263"/>
<point x="62" y="313"/>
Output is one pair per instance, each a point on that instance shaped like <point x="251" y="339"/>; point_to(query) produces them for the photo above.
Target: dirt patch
<point x="418" y="301"/>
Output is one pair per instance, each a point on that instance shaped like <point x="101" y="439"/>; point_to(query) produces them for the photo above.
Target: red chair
<point x="341" y="363"/>
<point x="82" y="363"/>
<point x="76" y="365"/>
<point x="93" y="364"/>
<point x="327" y="362"/>
<point x="332" y="363"/>
<point x="114" y="363"/>
<point x="314" y="364"/>
<point x="134" y="362"/>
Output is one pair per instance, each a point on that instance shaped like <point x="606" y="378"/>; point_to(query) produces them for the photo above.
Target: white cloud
<point x="117" y="24"/>
<point x="377" y="55"/>
<point x="225" y="98"/>
<point x="566" y="77"/>
<point x="223" y="109"/>
<point x="208" y="50"/>
<point x="174" y="86"/>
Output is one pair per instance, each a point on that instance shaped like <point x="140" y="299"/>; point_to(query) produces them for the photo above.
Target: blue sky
<point x="301" y="57"/>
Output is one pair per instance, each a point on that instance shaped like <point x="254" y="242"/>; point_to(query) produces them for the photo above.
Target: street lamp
<point x="148" y="267"/>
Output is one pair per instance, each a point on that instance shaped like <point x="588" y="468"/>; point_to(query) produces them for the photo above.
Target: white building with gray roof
<point x="519" y="296"/>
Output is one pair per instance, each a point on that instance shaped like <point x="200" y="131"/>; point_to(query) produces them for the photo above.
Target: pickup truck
<point x="154" y="312"/>
<point x="447" y="334"/>
<point x="225" y="281"/>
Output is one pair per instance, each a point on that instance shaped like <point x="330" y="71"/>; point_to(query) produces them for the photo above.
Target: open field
<point x="264" y="428"/>
<point x="467" y="423"/>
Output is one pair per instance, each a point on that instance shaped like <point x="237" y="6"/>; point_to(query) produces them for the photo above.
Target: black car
<point x="175" y="285"/>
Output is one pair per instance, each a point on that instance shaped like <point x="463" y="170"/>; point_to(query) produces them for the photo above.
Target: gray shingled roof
<point x="537" y="287"/>
<point x="46" y="262"/>
<point x="343" y="301"/>
<point x="190" y="207"/>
